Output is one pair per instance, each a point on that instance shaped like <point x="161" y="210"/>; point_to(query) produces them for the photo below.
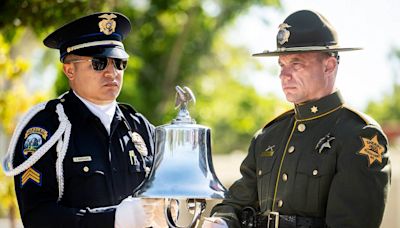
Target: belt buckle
<point x="273" y="215"/>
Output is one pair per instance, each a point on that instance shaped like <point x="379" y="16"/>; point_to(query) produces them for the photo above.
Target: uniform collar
<point x="318" y="108"/>
<point x="78" y="111"/>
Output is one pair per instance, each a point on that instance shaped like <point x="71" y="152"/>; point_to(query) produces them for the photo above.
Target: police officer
<point x="321" y="164"/>
<point x="75" y="158"/>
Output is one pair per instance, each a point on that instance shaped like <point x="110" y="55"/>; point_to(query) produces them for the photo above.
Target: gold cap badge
<point x="107" y="25"/>
<point x="283" y="33"/>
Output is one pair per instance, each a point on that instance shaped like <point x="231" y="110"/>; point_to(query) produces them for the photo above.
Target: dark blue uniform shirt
<point x="99" y="170"/>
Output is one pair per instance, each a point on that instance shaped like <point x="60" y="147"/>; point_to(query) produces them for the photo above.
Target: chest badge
<point x="268" y="152"/>
<point x="324" y="142"/>
<point x="139" y="143"/>
<point x="372" y="150"/>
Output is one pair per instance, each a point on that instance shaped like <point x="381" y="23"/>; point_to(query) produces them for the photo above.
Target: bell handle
<point x="199" y="206"/>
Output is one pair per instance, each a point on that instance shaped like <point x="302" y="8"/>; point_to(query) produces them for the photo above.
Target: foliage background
<point x="174" y="42"/>
<point x="177" y="42"/>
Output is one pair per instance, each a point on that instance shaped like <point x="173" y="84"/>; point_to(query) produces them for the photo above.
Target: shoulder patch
<point x="364" y="117"/>
<point x="279" y="117"/>
<point x="34" y="138"/>
<point x="372" y="149"/>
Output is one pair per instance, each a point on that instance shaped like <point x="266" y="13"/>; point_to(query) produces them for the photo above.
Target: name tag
<point x="82" y="159"/>
<point x="267" y="153"/>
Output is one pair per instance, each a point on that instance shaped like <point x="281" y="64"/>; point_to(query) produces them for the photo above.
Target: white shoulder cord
<point x="64" y="127"/>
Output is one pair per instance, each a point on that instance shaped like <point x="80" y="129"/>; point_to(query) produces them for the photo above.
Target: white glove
<point x="214" y="222"/>
<point x="154" y="209"/>
<point x="130" y="214"/>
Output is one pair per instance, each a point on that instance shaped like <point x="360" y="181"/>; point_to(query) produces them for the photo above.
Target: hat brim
<point x="110" y="52"/>
<point x="283" y="51"/>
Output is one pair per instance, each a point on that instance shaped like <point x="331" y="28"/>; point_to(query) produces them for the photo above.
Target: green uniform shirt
<point x="322" y="160"/>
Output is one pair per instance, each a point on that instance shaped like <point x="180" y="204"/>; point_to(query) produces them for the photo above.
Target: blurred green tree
<point x="177" y="42"/>
<point x="169" y="41"/>
<point x="388" y="109"/>
<point x="17" y="18"/>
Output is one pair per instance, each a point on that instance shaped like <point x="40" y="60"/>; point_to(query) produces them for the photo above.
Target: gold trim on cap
<point x="94" y="43"/>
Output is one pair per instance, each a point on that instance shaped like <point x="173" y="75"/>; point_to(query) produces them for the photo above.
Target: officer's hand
<point x="130" y="213"/>
<point x="214" y="222"/>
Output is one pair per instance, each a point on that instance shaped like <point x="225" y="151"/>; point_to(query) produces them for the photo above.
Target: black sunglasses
<point x="100" y="63"/>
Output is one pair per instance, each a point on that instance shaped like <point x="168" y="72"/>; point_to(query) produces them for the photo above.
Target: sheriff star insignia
<point x="372" y="150"/>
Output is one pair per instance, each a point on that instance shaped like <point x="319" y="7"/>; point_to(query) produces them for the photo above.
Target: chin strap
<point x="63" y="131"/>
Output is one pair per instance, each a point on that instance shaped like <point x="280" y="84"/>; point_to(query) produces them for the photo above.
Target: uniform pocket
<point x="85" y="183"/>
<point x="311" y="188"/>
<point x="264" y="181"/>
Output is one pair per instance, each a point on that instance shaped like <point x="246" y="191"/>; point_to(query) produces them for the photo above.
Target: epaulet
<point x="132" y="112"/>
<point x="276" y="119"/>
<point x="127" y="107"/>
<point x="280" y="117"/>
<point x="364" y="117"/>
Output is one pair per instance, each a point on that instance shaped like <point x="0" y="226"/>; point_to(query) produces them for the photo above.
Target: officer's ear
<point x="69" y="70"/>
<point x="330" y="65"/>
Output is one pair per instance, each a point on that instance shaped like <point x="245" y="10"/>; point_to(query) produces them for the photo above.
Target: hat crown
<point x="98" y="34"/>
<point x="306" y="28"/>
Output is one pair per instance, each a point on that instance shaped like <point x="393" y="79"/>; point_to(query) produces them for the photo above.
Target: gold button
<point x="301" y="127"/>
<point x="284" y="177"/>
<point x="280" y="203"/>
<point x="85" y="169"/>
<point x="315" y="172"/>
<point x="259" y="172"/>
<point x="62" y="99"/>
<point x="291" y="149"/>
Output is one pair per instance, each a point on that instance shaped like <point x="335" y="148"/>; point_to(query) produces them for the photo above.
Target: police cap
<point x="305" y="31"/>
<point x="96" y="35"/>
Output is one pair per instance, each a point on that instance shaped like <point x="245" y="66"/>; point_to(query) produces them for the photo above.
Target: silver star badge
<point x="324" y="143"/>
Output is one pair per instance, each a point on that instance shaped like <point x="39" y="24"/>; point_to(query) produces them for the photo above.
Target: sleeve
<point x="359" y="189"/>
<point x="37" y="187"/>
<point x="242" y="193"/>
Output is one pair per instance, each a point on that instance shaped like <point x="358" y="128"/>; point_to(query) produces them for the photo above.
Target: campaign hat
<point x="306" y="31"/>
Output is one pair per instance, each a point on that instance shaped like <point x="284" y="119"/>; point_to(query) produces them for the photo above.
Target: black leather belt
<point x="275" y="220"/>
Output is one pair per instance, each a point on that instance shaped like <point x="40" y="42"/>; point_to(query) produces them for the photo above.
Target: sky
<point x="364" y="75"/>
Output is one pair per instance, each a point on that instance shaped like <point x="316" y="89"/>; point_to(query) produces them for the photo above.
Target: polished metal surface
<point x="183" y="165"/>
